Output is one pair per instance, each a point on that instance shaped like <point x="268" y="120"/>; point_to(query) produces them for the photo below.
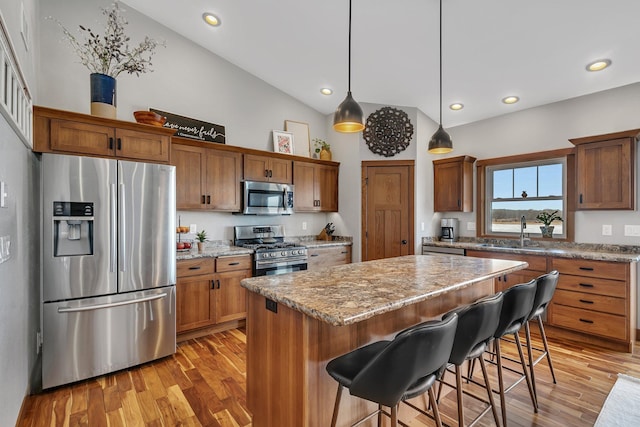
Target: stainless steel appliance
<point x="272" y="254"/>
<point x="109" y="266"/>
<point x="449" y="227"/>
<point x="266" y="198"/>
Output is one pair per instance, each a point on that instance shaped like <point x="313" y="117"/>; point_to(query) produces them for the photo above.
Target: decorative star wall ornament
<point x="388" y="131"/>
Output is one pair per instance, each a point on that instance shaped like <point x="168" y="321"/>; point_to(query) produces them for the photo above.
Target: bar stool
<point x="516" y="306"/>
<point x="545" y="288"/>
<point x="388" y="372"/>
<point x="477" y="322"/>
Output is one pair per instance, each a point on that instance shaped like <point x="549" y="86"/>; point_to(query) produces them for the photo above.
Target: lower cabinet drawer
<point x="591" y="322"/>
<point x="195" y="267"/>
<point x="233" y="263"/>
<point x="601" y="303"/>
<point x="593" y="285"/>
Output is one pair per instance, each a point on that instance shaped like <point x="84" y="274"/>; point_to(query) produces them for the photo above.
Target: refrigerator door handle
<point x="112" y="229"/>
<point x="123" y="229"/>
<point x="110" y="305"/>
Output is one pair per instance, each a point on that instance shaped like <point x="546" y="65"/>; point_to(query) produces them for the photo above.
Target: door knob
<point x="404" y="242"/>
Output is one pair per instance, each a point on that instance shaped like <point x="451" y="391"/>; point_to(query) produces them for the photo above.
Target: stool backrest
<point x="545" y="288"/>
<point x="476" y="324"/>
<point x="516" y="305"/>
<point x="413" y="354"/>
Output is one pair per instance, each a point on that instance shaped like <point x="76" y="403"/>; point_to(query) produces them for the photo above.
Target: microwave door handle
<point x="284" y="199"/>
<point x="112" y="229"/>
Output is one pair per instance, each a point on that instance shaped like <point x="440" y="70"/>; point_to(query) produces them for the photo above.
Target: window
<point x="525" y="189"/>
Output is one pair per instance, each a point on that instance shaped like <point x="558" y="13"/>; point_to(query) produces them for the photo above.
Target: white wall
<point x="20" y="221"/>
<point x="549" y="127"/>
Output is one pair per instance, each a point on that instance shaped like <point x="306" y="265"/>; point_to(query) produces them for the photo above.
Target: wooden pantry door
<point x="387" y="209"/>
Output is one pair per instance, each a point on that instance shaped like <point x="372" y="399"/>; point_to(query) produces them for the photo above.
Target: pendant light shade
<point x="348" y="116"/>
<point x="440" y="142"/>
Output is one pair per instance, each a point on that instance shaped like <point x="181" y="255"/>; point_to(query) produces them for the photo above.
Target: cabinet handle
<point x="344" y="252"/>
<point x="208" y="200"/>
<point x="270" y="173"/>
<point x="213" y="284"/>
<point x="194" y="268"/>
<point x="586" y="320"/>
<point x="110" y="143"/>
<point x="458" y="202"/>
<point x="266" y="173"/>
<point x="203" y="199"/>
<point x="312" y="255"/>
<point x="234" y="263"/>
<point x="581" y="198"/>
<point x="499" y="278"/>
<point x="218" y="283"/>
<point x="404" y="242"/>
<point x="586" y="301"/>
<point x="586" y="268"/>
<point x="119" y="143"/>
<point x="585" y="285"/>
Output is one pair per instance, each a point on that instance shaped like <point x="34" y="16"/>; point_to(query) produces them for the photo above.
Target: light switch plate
<point x="632" y="230"/>
<point x="3" y="194"/>
<point x="304" y="225"/>
<point x="606" y="230"/>
<point x="192" y="229"/>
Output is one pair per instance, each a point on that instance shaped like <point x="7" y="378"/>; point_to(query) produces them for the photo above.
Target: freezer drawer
<point x="93" y="336"/>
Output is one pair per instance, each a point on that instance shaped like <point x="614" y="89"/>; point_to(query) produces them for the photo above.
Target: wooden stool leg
<point x="489" y="391"/>
<point x="459" y="395"/>
<point x="434" y="405"/>
<point x="503" y="405"/>
<point x="334" y="419"/>
<point x="534" y="401"/>
<point x="546" y="348"/>
<point x="530" y="351"/>
<point x="394" y="416"/>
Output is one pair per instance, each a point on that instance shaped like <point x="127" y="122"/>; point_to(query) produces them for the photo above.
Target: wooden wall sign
<point x="194" y="129"/>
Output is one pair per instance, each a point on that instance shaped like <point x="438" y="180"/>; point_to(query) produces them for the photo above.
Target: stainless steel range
<point x="272" y="254"/>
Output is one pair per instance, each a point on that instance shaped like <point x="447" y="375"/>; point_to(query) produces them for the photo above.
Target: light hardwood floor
<point x="204" y="384"/>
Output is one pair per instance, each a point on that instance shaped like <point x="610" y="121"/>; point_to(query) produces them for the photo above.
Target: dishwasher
<point x="430" y="249"/>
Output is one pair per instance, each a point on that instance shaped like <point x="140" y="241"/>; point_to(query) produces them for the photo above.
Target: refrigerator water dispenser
<point x="72" y="229"/>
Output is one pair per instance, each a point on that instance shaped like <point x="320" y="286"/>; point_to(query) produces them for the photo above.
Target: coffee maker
<point x="449" y="229"/>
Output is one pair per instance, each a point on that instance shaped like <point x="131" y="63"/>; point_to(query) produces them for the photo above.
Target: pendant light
<point x="348" y="117"/>
<point x="440" y="141"/>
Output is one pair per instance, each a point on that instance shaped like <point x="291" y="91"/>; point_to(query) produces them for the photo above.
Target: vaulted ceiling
<point x="536" y="50"/>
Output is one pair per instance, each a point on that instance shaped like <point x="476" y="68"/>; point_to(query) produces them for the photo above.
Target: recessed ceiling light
<point x="457" y="106"/>
<point x="510" y="99"/>
<point x="211" y="19"/>
<point x="326" y="91"/>
<point x="599" y="65"/>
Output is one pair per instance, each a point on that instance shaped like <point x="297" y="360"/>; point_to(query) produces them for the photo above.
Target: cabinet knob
<point x="404" y="242"/>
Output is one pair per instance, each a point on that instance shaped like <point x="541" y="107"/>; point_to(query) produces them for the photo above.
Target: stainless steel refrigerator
<point x="109" y="266"/>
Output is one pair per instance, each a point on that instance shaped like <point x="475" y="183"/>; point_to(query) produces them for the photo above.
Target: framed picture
<point x="301" y="137"/>
<point x="282" y="142"/>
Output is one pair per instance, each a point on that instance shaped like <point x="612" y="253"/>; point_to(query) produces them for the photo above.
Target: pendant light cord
<point x="440" y="62"/>
<point x="349" y="79"/>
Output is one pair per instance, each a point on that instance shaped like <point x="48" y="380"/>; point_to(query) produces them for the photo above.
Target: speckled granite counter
<point x="324" y="243"/>
<point x="348" y="294"/>
<point x="597" y="252"/>
<point x="213" y="252"/>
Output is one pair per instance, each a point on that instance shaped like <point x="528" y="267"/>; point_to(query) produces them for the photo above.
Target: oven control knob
<point x="283" y="253"/>
<point x="272" y="254"/>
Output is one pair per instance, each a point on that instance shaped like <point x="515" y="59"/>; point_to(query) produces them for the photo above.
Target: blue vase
<point x="103" y="95"/>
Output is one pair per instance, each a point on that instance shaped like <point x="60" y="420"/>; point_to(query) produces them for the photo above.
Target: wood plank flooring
<point x="203" y="384"/>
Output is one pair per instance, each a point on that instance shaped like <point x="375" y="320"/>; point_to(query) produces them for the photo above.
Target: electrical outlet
<point x="422" y="226"/>
<point x="192" y="229"/>
<point x="606" y="230"/>
<point x="304" y="225"/>
<point x="271" y="305"/>
<point x="632" y="230"/>
<point x="471" y="226"/>
<point x="3" y="194"/>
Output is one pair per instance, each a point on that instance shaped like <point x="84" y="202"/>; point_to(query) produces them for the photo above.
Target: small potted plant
<point x="323" y="150"/>
<point x="201" y="236"/>
<point x="547" y="218"/>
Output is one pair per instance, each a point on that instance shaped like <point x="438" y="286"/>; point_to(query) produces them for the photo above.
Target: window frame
<point x="483" y="202"/>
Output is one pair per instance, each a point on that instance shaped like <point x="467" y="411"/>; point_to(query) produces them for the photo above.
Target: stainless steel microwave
<point x="266" y="198"/>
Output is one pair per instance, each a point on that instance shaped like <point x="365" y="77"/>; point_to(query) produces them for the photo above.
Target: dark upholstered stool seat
<point x="388" y="372"/>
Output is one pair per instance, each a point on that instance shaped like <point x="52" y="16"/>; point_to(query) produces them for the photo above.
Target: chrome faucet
<point x="523" y="226"/>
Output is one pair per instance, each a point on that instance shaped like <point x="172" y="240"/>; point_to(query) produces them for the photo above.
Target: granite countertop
<point x="213" y="252"/>
<point x="596" y="252"/>
<point x="324" y="243"/>
<point x="350" y="293"/>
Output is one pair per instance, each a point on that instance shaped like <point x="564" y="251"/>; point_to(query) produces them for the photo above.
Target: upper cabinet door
<point x="190" y="184"/>
<point x="453" y="184"/>
<point x="222" y="182"/>
<point x="605" y="171"/>
<point x="142" y="145"/>
<point x="267" y="169"/>
<point x="82" y="138"/>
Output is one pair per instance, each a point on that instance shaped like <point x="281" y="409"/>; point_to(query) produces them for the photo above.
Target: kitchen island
<point x="298" y="322"/>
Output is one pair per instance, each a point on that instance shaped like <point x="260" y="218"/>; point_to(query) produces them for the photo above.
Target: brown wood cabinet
<point x="207" y="178"/>
<point x="597" y="299"/>
<point x="64" y="132"/>
<point x="267" y="169"/>
<point x="453" y="184"/>
<point x="316" y="187"/>
<point x="328" y="256"/>
<point x="208" y="291"/>
<point x="537" y="267"/>
<point x="605" y="171"/>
